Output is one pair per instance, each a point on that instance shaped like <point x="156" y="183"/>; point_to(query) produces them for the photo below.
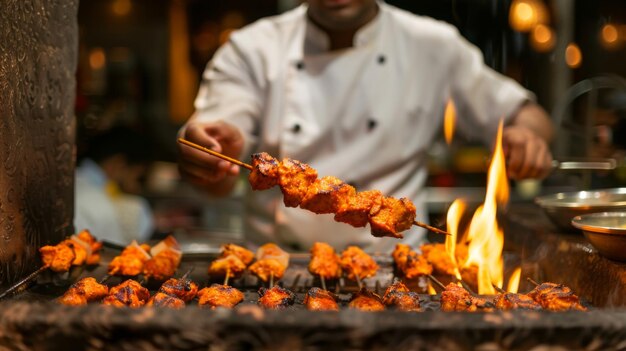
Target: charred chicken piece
<point x="246" y="256"/>
<point x="511" y="301"/>
<point x="439" y="258"/>
<point x="456" y="298"/>
<point x="556" y="297"/>
<point x="410" y="263"/>
<point x="324" y="261"/>
<point x="366" y="300"/>
<point x="357" y="209"/>
<point x="276" y="297"/>
<point x="184" y="289"/>
<point x="399" y="296"/>
<point x="129" y="293"/>
<point x="266" y="268"/>
<point x="395" y="216"/>
<point x="264" y="174"/>
<point x="327" y="195"/>
<point x="161" y="299"/>
<point x="84" y="291"/>
<point x="295" y="179"/>
<point x="355" y="262"/>
<point x="166" y="256"/>
<point x="58" y="257"/>
<point x="320" y="300"/>
<point x="218" y="295"/>
<point x="130" y="262"/>
<point x="230" y="265"/>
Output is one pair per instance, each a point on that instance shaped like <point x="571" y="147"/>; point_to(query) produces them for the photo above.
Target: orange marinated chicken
<point x="394" y="216"/>
<point x="80" y="253"/>
<point x="511" y="301"/>
<point x="90" y="243"/>
<point x="439" y="258"/>
<point x="230" y="264"/>
<point x="324" y="261"/>
<point x="246" y="256"/>
<point x="264" y="174"/>
<point x="59" y="257"/>
<point x="218" y="295"/>
<point x="556" y="297"/>
<point x="320" y="300"/>
<point x="355" y="262"/>
<point x="266" y="268"/>
<point x="327" y="195"/>
<point x="164" y="300"/>
<point x="163" y="265"/>
<point x="131" y="261"/>
<point x="399" y="296"/>
<point x="410" y="263"/>
<point x="276" y="297"/>
<point x="357" y="208"/>
<point x="84" y="291"/>
<point x="129" y="293"/>
<point x="295" y="179"/>
<point x="366" y="300"/>
<point x="456" y="298"/>
<point x="271" y="250"/>
<point x="184" y="289"/>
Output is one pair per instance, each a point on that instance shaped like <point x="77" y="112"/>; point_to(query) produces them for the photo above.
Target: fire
<point x="431" y="289"/>
<point x="513" y="285"/>
<point x="455" y="212"/>
<point x="449" y="120"/>
<point x="485" y="237"/>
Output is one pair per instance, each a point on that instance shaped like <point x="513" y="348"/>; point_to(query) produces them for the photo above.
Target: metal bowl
<point x="606" y="232"/>
<point x="562" y="207"/>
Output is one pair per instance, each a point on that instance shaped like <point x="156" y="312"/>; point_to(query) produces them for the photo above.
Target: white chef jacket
<point x="366" y="114"/>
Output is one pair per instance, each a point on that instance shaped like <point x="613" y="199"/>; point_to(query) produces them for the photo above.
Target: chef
<point x="356" y="89"/>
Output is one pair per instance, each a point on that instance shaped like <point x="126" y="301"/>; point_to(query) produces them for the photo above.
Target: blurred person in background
<point x="108" y="183"/>
<point x="356" y="89"/>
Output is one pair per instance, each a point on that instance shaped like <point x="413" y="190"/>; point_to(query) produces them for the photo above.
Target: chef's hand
<point x="205" y="170"/>
<point x="527" y="154"/>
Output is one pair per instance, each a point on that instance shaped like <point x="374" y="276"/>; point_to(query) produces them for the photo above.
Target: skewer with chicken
<point x="84" y="291"/>
<point x="166" y="257"/>
<point x="456" y="298"/>
<point x="357" y="264"/>
<point x="219" y="295"/>
<point x="367" y="301"/>
<point x="317" y="299"/>
<point x="271" y="263"/>
<point x="410" y="263"/>
<point x="276" y="297"/>
<point x="79" y="249"/>
<point x="399" y="296"/>
<point x="556" y="297"/>
<point x="127" y="294"/>
<point x="231" y="263"/>
<point x="130" y="261"/>
<point x="511" y="301"/>
<point x="325" y="263"/>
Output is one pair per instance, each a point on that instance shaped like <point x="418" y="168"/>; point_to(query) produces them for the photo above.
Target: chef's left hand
<point x="527" y="154"/>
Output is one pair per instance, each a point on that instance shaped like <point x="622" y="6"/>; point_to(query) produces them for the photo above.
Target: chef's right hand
<point x="201" y="168"/>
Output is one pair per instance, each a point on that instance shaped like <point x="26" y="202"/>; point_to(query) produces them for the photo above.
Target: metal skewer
<point x="227" y="277"/>
<point x="498" y="289"/>
<point x="23" y="281"/>
<point x="271" y="280"/>
<point x="249" y="167"/>
<point x="436" y="281"/>
<point x="188" y="272"/>
<point x="358" y="281"/>
<point x="323" y="282"/>
<point x="532" y="281"/>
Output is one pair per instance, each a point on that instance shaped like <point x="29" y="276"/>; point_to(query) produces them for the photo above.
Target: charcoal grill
<point x="32" y="320"/>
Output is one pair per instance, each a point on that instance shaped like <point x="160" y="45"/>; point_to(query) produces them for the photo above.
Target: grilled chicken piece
<point x="355" y="262"/>
<point x="184" y="289"/>
<point x="161" y="299"/>
<point x="80" y="254"/>
<point x="264" y="269"/>
<point x="58" y="257"/>
<point x="163" y="265"/>
<point x="327" y="195"/>
<point x="130" y="262"/>
<point x="230" y="264"/>
<point x="399" y="296"/>
<point x="276" y="297"/>
<point x="456" y="298"/>
<point x="439" y="258"/>
<point x="395" y="216"/>
<point x="511" y="301"/>
<point x="556" y="297"/>
<point x="410" y="263"/>
<point x="366" y="300"/>
<point x="91" y="245"/>
<point x="84" y="291"/>
<point x="320" y="300"/>
<point x="219" y="295"/>
<point x="264" y="174"/>
<point x="273" y="251"/>
<point x="295" y="179"/>
<point x="129" y="293"/>
<point x="357" y="209"/>
<point x="324" y="261"/>
<point x="246" y="256"/>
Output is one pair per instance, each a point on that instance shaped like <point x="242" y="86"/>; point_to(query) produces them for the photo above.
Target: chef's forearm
<point x="535" y="118"/>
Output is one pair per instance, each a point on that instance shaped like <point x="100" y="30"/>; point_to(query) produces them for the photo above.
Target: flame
<point x="455" y="213"/>
<point x="485" y="237"/>
<point x="449" y="119"/>
<point x="513" y="285"/>
<point x="431" y="289"/>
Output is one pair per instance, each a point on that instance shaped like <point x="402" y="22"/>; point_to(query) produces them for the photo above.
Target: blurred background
<point x="141" y="61"/>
